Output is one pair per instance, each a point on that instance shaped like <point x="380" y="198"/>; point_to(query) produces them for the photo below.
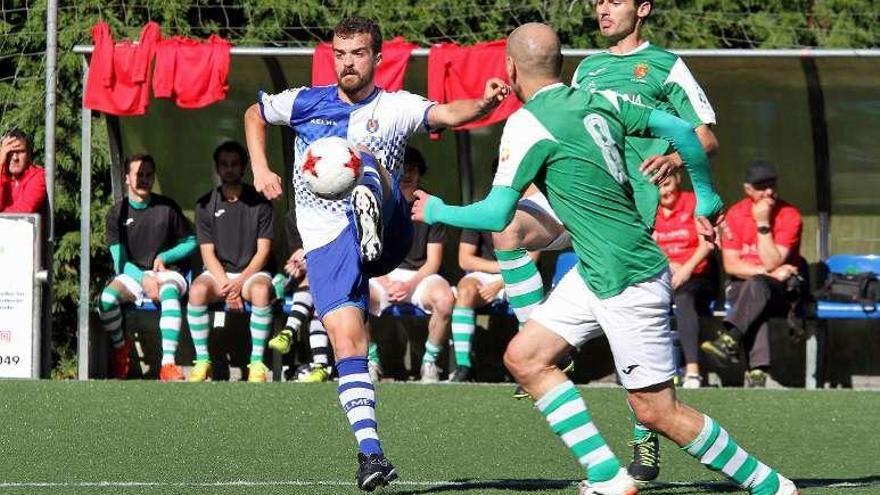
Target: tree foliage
<point x="685" y="24"/>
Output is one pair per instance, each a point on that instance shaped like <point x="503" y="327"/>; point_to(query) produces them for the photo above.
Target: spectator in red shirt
<point x="761" y="253"/>
<point x="22" y="183"/>
<point x="693" y="281"/>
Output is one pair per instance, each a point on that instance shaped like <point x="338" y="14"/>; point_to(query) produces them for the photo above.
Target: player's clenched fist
<point x="418" y="208"/>
<point x="496" y="91"/>
<point x="268" y="184"/>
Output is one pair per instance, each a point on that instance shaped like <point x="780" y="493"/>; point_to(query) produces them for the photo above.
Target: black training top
<point x="234" y="227"/>
<point x="146" y="232"/>
<point x="423" y="234"/>
<point x="483" y="241"/>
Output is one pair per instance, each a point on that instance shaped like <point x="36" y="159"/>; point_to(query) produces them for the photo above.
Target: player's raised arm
<point x="266" y="182"/>
<point x="458" y="112"/>
<point x="491" y="214"/>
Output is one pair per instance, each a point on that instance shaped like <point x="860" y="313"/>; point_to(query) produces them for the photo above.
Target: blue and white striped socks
<point x="358" y="399"/>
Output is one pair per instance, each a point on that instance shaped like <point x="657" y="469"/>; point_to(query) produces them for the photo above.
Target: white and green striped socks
<point x="463" y="323"/>
<point x="432" y="350"/>
<point x="261" y="321"/>
<point x="111" y="315"/>
<point x="719" y="452"/>
<point x="522" y="281"/>
<point x="567" y="414"/>
<point x="169" y="321"/>
<point x="198" y="320"/>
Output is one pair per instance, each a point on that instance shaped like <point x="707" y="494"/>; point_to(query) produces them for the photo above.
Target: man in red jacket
<point x="22" y="182"/>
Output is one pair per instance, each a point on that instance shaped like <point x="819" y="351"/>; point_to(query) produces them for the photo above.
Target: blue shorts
<point x="337" y="275"/>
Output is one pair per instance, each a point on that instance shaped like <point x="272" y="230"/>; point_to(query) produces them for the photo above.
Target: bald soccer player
<point x="570" y="144"/>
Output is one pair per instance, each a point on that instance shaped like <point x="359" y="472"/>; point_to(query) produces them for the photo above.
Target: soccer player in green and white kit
<point x="648" y="75"/>
<point x="642" y="73"/>
<point x="570" y="144"/>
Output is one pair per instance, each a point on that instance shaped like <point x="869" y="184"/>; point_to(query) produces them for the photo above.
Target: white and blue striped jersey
<point x="382" y="123"/>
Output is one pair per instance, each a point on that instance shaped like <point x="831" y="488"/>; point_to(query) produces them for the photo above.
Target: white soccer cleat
<point x="692" y="381"/>
<point x="430" y="373"/>
<point x="368" y="219"/>
<point x="375" y="371"/>
<point x="621" y="484"/>
<point x="786" y="486"/>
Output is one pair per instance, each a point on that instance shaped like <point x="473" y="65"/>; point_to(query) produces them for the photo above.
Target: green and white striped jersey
<point x="570" y="144"/>
<point x="656" y="78"/>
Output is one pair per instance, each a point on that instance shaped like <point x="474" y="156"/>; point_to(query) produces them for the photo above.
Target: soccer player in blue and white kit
<point x="343" y="238"/>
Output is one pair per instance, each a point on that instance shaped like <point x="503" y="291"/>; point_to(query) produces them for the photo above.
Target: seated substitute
<point x="22" y="182"/>
<point x="150" y="242"/>
<point x="302" y="311"/>
<point x="760" y="247"/>
<point x="693" y="281"/>
<point x="416" y="280"/>
<point x="234" y="228"/>
<point x="482" y="285"/>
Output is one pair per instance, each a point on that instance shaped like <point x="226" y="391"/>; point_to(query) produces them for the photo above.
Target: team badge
<point x="640" y="71"/>
<point x="505" y="154"/>
<point x="372" y="125"/>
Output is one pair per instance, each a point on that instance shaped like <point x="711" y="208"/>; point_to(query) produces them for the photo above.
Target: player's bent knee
<point x="522" y="361"/>
<point x="509" y="238"/>
<point x="198" y="293"/>
<point x="468" y="293"/>
<point x="260" y="293"/>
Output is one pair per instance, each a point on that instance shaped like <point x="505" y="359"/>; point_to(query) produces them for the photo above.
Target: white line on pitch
<point x="253" y="483"/>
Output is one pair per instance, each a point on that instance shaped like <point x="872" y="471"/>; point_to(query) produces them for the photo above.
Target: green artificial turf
<point x="274" y="438"/>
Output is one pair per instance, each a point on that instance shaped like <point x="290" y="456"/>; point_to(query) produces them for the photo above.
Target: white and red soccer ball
<point x="331" y="168"/>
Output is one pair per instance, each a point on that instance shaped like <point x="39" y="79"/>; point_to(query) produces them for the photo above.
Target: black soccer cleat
<point x="645" y="465"/>
<point x="374" y="471"/>
<point x="368" y="220"/>
<point x="462" y="374"/>
<point x="724" y="350"/>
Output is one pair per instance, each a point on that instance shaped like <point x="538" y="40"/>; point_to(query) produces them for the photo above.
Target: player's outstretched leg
<point x="704" y="439"/>
<point x="531" y="358"/>
<point x="367" y="200"/>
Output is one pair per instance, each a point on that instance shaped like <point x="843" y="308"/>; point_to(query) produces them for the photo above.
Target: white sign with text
<point x="16" y="298"/>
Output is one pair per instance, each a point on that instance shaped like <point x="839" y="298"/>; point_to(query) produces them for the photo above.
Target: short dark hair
<point x="230" y="147"/>
<point x="20" y="134"/>
<point x="137" y="157"/>
<point x="414" y="158"/>
<point x="351" y="26"/>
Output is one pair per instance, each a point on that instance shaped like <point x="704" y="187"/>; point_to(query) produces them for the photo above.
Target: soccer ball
<point x="331" y="168"/>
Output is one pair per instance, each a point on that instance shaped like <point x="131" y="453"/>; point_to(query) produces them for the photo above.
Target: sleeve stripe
<point x="682" y="77"/>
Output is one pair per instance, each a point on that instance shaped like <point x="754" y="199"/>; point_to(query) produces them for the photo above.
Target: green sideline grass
<point x="290" y="438"/>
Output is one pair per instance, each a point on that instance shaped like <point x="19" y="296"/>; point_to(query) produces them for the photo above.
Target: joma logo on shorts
<point x="629" y="369"/>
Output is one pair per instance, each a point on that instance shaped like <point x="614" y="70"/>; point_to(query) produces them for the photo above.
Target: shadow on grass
<point x="658" y="488"/>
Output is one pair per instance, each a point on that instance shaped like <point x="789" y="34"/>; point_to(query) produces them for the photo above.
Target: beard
<point x="352" y="86"/>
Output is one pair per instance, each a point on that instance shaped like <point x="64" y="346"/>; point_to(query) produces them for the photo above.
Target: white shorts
<point x="232" y="276"/>
<point x="636" y="322"/>
<point x="537" y="204"/>
<point x="165" y="277"/>
<point x="399" y="275"/>
<point x="486" y="279"/>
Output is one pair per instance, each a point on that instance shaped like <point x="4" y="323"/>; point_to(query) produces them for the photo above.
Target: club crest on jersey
<point x="372" y="125"/>
<point x="640" y="70"/>
<point x="505" y="154"/>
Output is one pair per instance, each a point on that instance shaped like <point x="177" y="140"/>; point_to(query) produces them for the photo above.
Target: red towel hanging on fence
<point x="389" y="74"/>
<point x="456" y="72"/>
<point x="119" y="73"/>
<point x="191" y="72"/>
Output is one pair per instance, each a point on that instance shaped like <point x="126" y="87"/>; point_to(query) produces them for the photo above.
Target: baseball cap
<point x="760" y="171"/>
